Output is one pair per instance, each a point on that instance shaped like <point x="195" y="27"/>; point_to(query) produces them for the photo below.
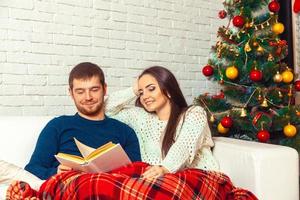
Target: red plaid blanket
<point x="126" y="183"/>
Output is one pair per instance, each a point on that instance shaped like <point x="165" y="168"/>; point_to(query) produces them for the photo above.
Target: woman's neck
<point x="164" y="112"/>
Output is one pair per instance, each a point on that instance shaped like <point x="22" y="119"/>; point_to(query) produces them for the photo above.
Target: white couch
<point x="271" y="172"/>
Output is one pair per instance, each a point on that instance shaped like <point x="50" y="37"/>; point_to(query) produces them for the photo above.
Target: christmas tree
<point x="256" y="101"/>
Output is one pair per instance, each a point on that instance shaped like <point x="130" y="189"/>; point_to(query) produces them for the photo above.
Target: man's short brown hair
<point x="86" y="70"/>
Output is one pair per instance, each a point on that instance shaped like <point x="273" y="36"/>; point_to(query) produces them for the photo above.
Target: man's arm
<point x="132" y="147"/>
<point x="43" y="163"/>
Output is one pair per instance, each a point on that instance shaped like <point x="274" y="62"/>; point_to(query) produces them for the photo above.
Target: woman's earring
<point x="169" y="96"/>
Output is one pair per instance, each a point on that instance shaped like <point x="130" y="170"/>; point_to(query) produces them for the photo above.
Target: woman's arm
<point x="189" y="139"/>
<point x="119" y="105"/>
<point x="118" y="100"/>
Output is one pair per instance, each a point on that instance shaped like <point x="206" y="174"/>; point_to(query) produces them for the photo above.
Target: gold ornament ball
<point x="277" y="77"/>
<point x="255" y="44"/>
<point x="247" y="25"/>
<point x="278" y="28"/>
<point x="232" y="72"/>
<point x="222" y="129"/>
<point x="289" y="130"/>
<point x="287" y="76"/>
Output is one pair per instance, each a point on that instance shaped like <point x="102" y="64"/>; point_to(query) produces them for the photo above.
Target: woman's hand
<point x="154" y="171"/>
<point x="63" y="168"/>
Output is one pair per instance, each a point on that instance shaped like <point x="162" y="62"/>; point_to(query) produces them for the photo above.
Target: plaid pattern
<point x="125" y="183"/>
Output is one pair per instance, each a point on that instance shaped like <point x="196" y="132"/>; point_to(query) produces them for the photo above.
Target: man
<point x="89" y="125"/>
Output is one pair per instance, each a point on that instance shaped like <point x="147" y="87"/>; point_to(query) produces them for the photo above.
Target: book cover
<point x="103" y="159"/>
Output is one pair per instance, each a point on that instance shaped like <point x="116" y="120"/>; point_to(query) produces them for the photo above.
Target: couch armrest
<point x="18" y="137"/>
<point x="271" y="172"/>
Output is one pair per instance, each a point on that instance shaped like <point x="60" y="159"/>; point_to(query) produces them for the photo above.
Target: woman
<point x="172" y="136"/>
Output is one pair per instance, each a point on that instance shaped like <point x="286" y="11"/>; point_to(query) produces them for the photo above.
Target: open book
<point x="105" y="158"/>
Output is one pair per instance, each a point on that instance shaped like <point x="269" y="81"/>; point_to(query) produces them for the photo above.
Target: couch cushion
<point x="18" y="137"/>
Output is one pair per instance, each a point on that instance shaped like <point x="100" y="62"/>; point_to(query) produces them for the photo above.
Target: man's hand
<point x="155" y="171"/>
<point x="63" y="168"/>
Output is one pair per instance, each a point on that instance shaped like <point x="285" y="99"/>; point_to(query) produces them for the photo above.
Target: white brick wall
<point x="41" y="40"/>
<point x="298" y="43"/>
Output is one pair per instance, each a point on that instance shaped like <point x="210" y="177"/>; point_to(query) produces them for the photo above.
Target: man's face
<point x="88" y="96"/>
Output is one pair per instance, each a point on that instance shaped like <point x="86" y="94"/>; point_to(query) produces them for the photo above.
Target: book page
<point x="71" y="163"/>
<point x="70" y="157"/>
<point x="113" y="158"/>
<point x="100" y="150"/>
<point x="84" y="149"/>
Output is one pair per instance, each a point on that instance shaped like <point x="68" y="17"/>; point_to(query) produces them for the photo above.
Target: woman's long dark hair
<point x="170" y="88"/>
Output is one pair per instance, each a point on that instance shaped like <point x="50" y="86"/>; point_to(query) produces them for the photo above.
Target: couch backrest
<point x="18" y="136"/>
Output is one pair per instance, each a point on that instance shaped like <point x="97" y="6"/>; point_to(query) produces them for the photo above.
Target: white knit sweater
<point x="193" y="137"/>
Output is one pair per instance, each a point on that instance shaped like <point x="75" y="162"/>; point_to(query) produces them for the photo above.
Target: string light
<point x="250" y="98"/>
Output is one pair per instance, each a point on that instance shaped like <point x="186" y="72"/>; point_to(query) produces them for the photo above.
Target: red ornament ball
<point x="208" y="70"/>
<point x="256" y="75"/>
<point x="222" y="14"/>
<point x="274" y="6"/>
<point x="226" y="122"/>
<point x="263" y="136"/>
<point x="238" y="21"/>
<point x="297" y="85"/>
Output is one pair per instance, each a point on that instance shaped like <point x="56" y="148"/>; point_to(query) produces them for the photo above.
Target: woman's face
<point x="151" y="96"/>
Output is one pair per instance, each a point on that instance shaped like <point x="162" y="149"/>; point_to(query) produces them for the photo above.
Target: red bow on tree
<point x="297" y="6"/>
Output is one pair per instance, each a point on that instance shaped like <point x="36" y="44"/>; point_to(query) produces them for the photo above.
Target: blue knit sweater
<point x="58" y="136"/>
